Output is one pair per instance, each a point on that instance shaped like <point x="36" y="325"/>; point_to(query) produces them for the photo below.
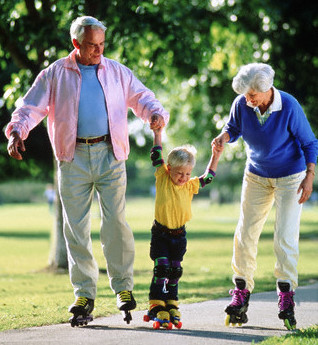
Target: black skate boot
<point x="125" y="303"/>
<point x="81" y="308"/>
<point x="286" y="305"/>
<point x="236" y="310"/>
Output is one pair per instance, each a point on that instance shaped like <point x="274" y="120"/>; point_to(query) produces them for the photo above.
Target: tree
<point x="186" y="51"/>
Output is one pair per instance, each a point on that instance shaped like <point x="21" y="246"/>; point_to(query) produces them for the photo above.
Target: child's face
<point x="180" y="175"/>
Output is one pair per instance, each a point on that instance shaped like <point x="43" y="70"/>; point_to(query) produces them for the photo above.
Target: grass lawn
<point x="30" y="296"/>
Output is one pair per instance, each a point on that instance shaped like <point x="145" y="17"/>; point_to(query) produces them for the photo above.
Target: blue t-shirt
<point x="282" y="146"/>
<point x="92" y="111"/>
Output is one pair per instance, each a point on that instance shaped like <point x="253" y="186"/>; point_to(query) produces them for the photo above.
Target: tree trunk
<point x="58" y="253"/>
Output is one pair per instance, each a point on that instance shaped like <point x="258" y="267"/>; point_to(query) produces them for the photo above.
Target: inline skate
<point x="81" y="308"/>
<point x="286" y="305"/>
<point x="236" y="310"/>
<point x="125" y="303"/>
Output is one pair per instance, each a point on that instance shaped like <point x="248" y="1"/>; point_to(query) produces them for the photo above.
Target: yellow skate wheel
<point x="227" y="320"/>
<point x="289" y="326"/>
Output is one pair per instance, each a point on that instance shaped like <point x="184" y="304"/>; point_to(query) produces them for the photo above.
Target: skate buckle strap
<point x="238" y="296"/>
<point x="124" y="296"/>
<point x="286" y="299"/>
<point x="164" y="289"/>
<point x="81" y="301"/>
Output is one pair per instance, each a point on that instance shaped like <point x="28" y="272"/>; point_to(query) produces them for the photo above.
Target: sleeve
<point x="143" y="101"/>
<point x="161" y="170"/>
<point x="194" y="185"/>
<point x="301" y="129"/>
<point x="233" y="126"/>
<point x="33" y="108"/>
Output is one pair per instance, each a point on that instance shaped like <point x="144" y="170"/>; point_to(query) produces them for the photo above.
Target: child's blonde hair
<point x="181" y="156"/>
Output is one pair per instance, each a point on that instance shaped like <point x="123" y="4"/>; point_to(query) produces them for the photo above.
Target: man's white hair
<point x="78" y="27"/>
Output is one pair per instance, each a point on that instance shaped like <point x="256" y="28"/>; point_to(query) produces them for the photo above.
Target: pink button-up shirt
<point x="55" y="93"/>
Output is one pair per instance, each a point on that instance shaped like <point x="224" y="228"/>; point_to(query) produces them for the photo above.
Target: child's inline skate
<point x="175" y="315"/>
<point x="157" y="312"/>
<point x="236" y="310"/>
<point x="286" y="305"/>
<point x="125" y="303"/>
<point x="81" y="308"/>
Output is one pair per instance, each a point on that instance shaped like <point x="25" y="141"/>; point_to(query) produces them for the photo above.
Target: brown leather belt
<point x="94" y="140"/>
<point x="172" y="232"/>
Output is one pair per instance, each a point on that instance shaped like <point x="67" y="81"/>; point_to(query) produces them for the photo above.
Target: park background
<point x="187" y="52"/>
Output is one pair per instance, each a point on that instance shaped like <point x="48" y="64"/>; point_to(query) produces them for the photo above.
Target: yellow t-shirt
<point x="173" y="203"/>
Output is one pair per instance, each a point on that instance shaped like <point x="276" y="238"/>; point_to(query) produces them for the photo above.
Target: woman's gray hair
<point x="182" y="156"/>
<point x="78" y="27"/>
<point x="256" y="76"/>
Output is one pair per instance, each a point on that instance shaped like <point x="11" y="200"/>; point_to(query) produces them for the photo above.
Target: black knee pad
<point x="161" y="271"/>
<point x="175" y="273"/>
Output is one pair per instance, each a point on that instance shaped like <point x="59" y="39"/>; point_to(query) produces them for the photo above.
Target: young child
<point x="174" y="192"/>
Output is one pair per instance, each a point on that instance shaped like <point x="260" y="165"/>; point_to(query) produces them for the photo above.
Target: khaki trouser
<point x="258" y="196"/>
<point x="95" y="166"/>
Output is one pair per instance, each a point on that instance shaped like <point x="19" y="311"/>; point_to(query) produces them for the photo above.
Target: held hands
<point x="220" y="141"/>
<point x="157" y="123"/>
<point x="15" y="143"/>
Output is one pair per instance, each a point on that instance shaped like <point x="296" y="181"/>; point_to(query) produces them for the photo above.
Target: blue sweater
<point x="282" y="146"/>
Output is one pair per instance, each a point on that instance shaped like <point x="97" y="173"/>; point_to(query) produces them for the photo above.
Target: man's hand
<point x="15" y="143"/>
<point x="156" y="122"/>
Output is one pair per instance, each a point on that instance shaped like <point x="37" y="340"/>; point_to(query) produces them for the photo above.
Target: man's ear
<point x="75" y="43"/>
<point x="168" y="167"/>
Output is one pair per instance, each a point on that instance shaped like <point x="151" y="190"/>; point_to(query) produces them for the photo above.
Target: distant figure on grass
<point x="174" y="192"/>
<point x="86" y="97"/>
<point x="281" y="157"/>
<point x="50" y="195"/>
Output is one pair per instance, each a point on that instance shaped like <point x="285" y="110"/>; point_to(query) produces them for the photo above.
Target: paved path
<point x="203" y="323"/>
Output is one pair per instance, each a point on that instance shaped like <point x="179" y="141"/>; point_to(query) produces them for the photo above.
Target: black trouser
<point x="167" y="251"/>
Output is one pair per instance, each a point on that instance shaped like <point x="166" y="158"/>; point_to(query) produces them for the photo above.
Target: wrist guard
<point x="156" y="156"/>
<point x="206" y="179"/>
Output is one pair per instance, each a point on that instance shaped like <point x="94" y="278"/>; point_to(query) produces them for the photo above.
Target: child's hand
<point x="156" y="122"/>
<point x="217" y="150"/>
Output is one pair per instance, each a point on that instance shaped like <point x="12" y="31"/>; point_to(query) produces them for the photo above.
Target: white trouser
<point x="258" y="196"/>
<point x="95" y="166"/>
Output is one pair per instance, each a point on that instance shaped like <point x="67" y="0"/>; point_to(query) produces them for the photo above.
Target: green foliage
<point x="45" y="297"/>
<point x="186" y="51"/>
<point x="307" y="336"/>
<point x="22" y="192"/>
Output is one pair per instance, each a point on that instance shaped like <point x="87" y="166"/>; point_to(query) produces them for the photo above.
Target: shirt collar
<point x="70" y="62"/>
<point x="277" y="101"/>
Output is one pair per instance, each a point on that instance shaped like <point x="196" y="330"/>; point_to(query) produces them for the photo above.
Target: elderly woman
<point x="281" y="157"/>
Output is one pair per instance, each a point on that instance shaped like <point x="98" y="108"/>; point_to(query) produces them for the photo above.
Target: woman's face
<point x="256" y="99"/>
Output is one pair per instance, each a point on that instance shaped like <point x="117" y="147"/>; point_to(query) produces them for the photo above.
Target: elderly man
<point x="85" y="97"/>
